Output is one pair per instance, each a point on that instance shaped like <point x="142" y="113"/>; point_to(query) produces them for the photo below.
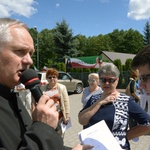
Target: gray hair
<point x="109" y="69"/>
<point x="5" y="34"/>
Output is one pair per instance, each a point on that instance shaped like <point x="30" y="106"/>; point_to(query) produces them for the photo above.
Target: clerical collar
<point x="5" y="91"/>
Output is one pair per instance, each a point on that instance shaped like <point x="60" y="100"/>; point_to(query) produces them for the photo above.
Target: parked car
<point x="72" y="85"/>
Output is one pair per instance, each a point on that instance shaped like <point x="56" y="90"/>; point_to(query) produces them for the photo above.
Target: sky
<point x="85" y="17"/>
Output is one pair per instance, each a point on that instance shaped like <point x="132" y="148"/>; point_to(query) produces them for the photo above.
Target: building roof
<point x="115" y="55"/>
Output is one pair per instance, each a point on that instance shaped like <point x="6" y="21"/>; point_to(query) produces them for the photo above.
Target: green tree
<point x="133" y="41"/>
<point x="82" y="44"/>
<point x="65" y="43"/>
<point x="92" y="46"/>
<point x="146" y="32"/>
<point x="34" y="34"/>
<point x="117" y="38"/>
<point x="118" y="63"/>
<point x="105" y="43"/>
<point x="46" y="47"/>
<point x="130" y="41"/>
<point x="128" y="64"/>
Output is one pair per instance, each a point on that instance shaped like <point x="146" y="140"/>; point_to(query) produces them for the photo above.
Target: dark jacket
<point x="17" y="132"/>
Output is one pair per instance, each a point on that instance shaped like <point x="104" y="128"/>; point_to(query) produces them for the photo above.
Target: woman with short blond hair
<point x="92" y="89"/>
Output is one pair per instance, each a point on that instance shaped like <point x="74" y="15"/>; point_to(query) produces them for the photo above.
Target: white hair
<point x="5" y="34"/>
<point x="93" y="74"/>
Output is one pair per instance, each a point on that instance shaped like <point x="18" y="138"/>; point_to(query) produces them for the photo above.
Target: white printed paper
<point x="100" y="137"/>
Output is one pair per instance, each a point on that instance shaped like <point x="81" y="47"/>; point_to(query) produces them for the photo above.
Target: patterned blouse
<point x="116" y="116"/>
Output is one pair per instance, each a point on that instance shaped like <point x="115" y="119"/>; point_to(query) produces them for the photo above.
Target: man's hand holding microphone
<point x="44" y="108"/>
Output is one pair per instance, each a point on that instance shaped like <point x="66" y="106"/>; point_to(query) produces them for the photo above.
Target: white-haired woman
<point x="92" y="89"/>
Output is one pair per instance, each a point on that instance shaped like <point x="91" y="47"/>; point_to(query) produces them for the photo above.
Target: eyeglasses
<point x="50" y="77"/>
<point x="92" y="80"/>
<point x="143" y="78"/>
<point x="109" y="80"/>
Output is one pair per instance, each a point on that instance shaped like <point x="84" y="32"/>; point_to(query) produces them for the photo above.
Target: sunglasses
<point x="143" y="78"/>
<point x="50" y="77"/>
<point x="109" y="80"/>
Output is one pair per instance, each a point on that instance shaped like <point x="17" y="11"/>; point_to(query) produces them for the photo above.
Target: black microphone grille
<point x="29" y="78"/>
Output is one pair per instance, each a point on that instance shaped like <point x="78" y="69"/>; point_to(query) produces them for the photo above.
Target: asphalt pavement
<point x="71" y="135"/>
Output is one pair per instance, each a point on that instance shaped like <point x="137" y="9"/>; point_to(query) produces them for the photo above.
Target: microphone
<point x="31" y="81"/>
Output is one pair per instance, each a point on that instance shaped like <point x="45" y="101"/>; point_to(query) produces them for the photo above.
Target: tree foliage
<point x="56" y="44"/>
<point x="128" y="64"/>
<point x="118" y="63"/>
<point x="146" y="33"/>
<point x="65" y="43"/>
<point x="133" y="41"/>
<point x="34" y="34"/>
<point x="82" y="44"/>
<point x="130" y="41"/>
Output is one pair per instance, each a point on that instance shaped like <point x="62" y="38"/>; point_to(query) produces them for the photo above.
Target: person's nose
<point x="107" y="82"/>
<point x="27" y="59"/>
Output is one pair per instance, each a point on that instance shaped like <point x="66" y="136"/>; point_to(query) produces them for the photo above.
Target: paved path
<point x="71" y="135"/>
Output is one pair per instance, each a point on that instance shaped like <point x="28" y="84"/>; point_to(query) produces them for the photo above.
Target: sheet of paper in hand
<point x="51" y="93"/>
<point x="99" y="136"/>
<point x="67" y="126"/>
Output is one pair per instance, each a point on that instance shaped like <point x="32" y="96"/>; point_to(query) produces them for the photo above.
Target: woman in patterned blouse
<point x="115" y="108"/>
